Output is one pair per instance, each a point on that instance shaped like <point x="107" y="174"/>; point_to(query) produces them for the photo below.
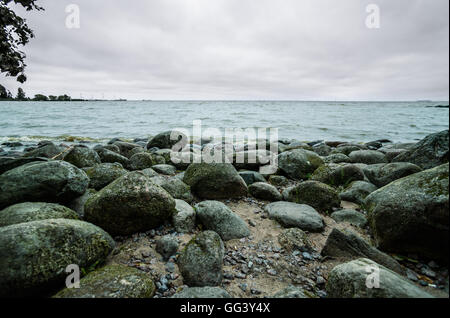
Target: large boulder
<point x="184" y="218"/>
<point x="9" y="163"/>
<point x="144" y="160"/>
<point x="299" y="163"/>
<point x="47" y="150"/>
<point x="126" y="148"/>
<point x="430" y="152"/>
<point x="201" y="261"/>
<point x="291" y="214"/>
<point x="202" y="292"/>
<point x="411" y="215"/>
<point x="215" y="181"/>
<point x="348" y="245"/>
<point x="176" y="188"/>
<point x="103" y="174"/>
<point x="264" y="191"/>
<point x="34" y="211"/>
<point x="82" y="157"/>
<point x="338" y="175"/>
<point x="384" y="173"/>
<point x="337" y="158"/>
<point x="112" y="281"/>
<point x="130" y="204"/>
<point x="251" y="177"/>
<point x="52" y="181"/>
<point x="357" y="192"/>
<point x="320" y="196"/>
<point x="216" y="216"/>
<point x="369" y="157"/>
<point x="352" y="280"/>
<point x="166" y="140"/>
<point x="34" y="255"/>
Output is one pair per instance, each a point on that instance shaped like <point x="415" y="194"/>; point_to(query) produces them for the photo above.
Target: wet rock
<point x="126" y="148"/>
<point x="357" y="192"/>
<point x="338" y="175"/>
<point x="411" y="215"/>
<point x="82" y="157"/>
<point x="167" y="246"/>
<point x="34" y="211"/>
<point x="349" y="280"/>
<point x="34" y="255"/>
<point x="251" y="177"/>
<point x="383" y="174"/>
<point x="430" y="152"/>
<point x="368" y="157"/>
<point x="176" y="188"/>
<point x="216" y="216"/>
<point x="299" y="163"/>
<point x="108" y="156"/>
<point x="201" y="261"/>
<point x="184" y="218"/>
<point x="130" y="204"/>
<point x="264" y="191"/>
<point x="166" y="140"/>
<point x="337" y="158"/>
<point x="290" y="214"/>
<point x="9" y="163"/>
<point x="48" y="150"/>
<point x="165" y="169"/>
<point x="350" y="216"/>
<point x="103" y="174"/>
<point x="215" y="181"/>
<point x="278" y="181"/>
<point x="144" y="160"/>
<point x="78" y="203"/>
<point x="346" y="244"/>
<point x="320" y="196"/>
<point x="52" y="181"/>
<point x="112" y="281"/>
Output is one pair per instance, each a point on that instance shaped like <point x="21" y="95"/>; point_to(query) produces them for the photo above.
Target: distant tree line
<point x="21" y="96"/>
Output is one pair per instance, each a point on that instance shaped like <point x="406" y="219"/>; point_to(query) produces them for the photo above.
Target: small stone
<point x="243" y="287"/>
<point x="425" y="270"/>
<point x="252" y="223"/>
<point x="250" y="264"/>
<point x="423" y="283"/>
<point x="240" y="275"/>
<point x="272" y="272"/>
<point x="170" y="267"/>
<point x="320" y="280"/>
<point x="411" y="275"/>
<point x="307" y="256"/>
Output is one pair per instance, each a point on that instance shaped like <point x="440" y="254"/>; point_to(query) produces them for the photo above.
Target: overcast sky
<point x="240" y="49"/>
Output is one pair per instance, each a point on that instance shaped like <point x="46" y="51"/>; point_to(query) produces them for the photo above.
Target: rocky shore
<point x="138" y="224"/>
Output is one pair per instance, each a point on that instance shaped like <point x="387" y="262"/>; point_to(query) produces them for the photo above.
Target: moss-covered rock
<point x="216" y="216"/>
<point x="369" y="157"/>
<point x="383" y="174"/>
<point x="264" y="191"/>
<point x="350" y="216"/>
<point x="357" y="192"/>
<point x="251" y="177"/>
<point x="9" y="163"/>
<point x="144" y="160"/>
<point x="184" y="218"/>
<point x="349" y="280"/>
<point x="34" y="255"/>
<point x="130" y="204"/>
<point x="168" y="170"/>
<point x="337" y="158"/>
<point x="112" y="281"/>
<point x="126" y="148"/>
<point x="320" y="196"/>
<point x="299" y="163"/>
<point x="109" y="156"/>
<point x="34" y="211"/>
<point x="215" y="181"/>
<point x="47" y="150"/>
<point x="411" y="215"/>
<point x="103" y="174"/>
<point x="338" y="175"/>
<point x="82" y="157"/>
<point x="176" y="188"/>
<point x="52" y="181"/>
<point x="201" y="261"/>
<point x="294" y="239"/>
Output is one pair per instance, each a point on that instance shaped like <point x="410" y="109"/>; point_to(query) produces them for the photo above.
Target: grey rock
<point x="9" y="163"/>
<point x="144" y="160"/>
<point x="176" y="188"/>
<point x="167" y="246"/>
<point x="337" y="158"/>
<point x="383" y="174"/>
<point x="301" y="216"/>
<point x="109" y="156"/>
<point x="165" y="169"/>
<point x="82" y="157"/>
<point x="350" y="216"/>
<point x="320" y="196"/>
<point x="184" y="218"/>
<point x="369" y="157"/>
<point x="166" y="140"/>
<point x="338" y="175"/>
<point x="294" y="239"/>
<point x="251" y="177"/>
<point x="103" y="174"/>
<point x="202" y="292"/>
<point x="357" y="192"/>
<point x="264" y="191"/>
<point x="293" y="292"/>
<point x="299" y="163"/>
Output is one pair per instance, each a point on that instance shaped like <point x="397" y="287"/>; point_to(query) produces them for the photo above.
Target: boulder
<point x="34" y="211"/>
<point x="384" y="173"/>
<point x="112" y="281"/>
<point x="338" y="175"/>
<point x="184" y="217"/>
<point x="411" y="215"/>
<point x="299" y="163"/>
<point x="34" y="255"/>
<point x="165" y="169"/>
<point x="126" y="148"/>
<point x="144" y="160"/>
<point x="202" y="292"/>
<point x="351" y="280"/>
<point x="264" y="191"/>
<point x="216" y="216"/>
<point x="430" y="152"/>
<point x="278" y="181"/>
<point x="77" y="204"/>
<point x="369" y="157"/>
<point x="320" y="196"/>
<point x="108" y="156"/>
<point x="130" y="204"/>
<point x="215" y="181"/>
<point x="103" y="174"/>
<point x="349" y="245"/>
<point x="337" y="158"/>
<point x="350" y="216"/>
<point x="52" y="181"/>
<point x="166" y="140"/>
<point x="301" y="216"/>
<point x="357" y="192"/>
<point x="346" y="149"/>
<point x="176" y="188"/>
<point x="251" y="177"/>
<point x="9" y="163"/>
<point x="201" y="261"/>
<point x="48" y="150"/>
<point x="82" y="157"/>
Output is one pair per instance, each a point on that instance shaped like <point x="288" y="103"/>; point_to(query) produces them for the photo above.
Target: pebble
<point x="307" y="256"/>
<point x="243" y="287"/>
<point x="425" y="270"/>
<point x="272" y="272"/>
<point x="253" y="224"/>
<point x="411" y="275"/>
<point x="240" y="275"/>
<point x="170" y="267"/>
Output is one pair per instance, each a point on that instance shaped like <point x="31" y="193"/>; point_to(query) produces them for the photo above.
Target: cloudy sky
<point x="240" y="49"/>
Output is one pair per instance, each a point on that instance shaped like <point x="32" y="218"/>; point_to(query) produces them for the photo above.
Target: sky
<point x="239" y="50"/>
